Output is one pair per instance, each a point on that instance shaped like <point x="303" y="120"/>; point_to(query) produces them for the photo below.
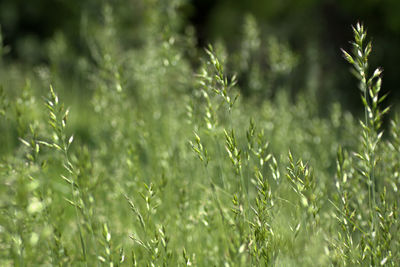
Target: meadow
<point x="154" y="155"/>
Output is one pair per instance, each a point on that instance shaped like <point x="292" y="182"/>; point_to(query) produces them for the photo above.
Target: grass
<point x="164" y="164"/>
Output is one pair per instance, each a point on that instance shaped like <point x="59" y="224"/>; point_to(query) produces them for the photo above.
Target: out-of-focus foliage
<point x="307" y="25"/>
<point x="312" y="26"/>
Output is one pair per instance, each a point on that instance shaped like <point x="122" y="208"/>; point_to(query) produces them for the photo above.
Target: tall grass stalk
<point x="370" y="86"/>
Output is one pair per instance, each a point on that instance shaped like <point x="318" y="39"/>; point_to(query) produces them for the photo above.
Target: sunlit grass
<point x="165" y="165"/>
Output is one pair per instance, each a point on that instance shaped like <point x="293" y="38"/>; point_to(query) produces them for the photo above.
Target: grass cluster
<point x="163" y="163"/>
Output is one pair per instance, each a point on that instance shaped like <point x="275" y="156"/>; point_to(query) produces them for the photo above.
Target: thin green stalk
<point x="370" y="86"/>
<point x="215" y="195"/>
<point x="219" y="155"/>
<point x="77" y="217"/>
<point x="243" y="187"/>
<point x="245" y="193"/>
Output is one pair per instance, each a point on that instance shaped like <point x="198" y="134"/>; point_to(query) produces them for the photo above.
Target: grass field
<point x="136" y="156"/>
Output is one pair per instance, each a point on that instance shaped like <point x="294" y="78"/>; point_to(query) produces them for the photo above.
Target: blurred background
<point x="313" y="31"/>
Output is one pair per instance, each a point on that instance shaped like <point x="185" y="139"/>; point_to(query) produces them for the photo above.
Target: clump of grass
<point x="161" y="172"/>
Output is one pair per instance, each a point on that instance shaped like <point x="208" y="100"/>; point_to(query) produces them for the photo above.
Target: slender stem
<point x="219" y="163"/>
<point x="245" y="190"/>
<point x="369" y="132"/>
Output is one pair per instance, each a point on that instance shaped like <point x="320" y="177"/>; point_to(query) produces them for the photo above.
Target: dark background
<point x="325" y="24"/>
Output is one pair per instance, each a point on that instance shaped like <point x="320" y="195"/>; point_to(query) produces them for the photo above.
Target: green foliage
<point x="163" y="164"/>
